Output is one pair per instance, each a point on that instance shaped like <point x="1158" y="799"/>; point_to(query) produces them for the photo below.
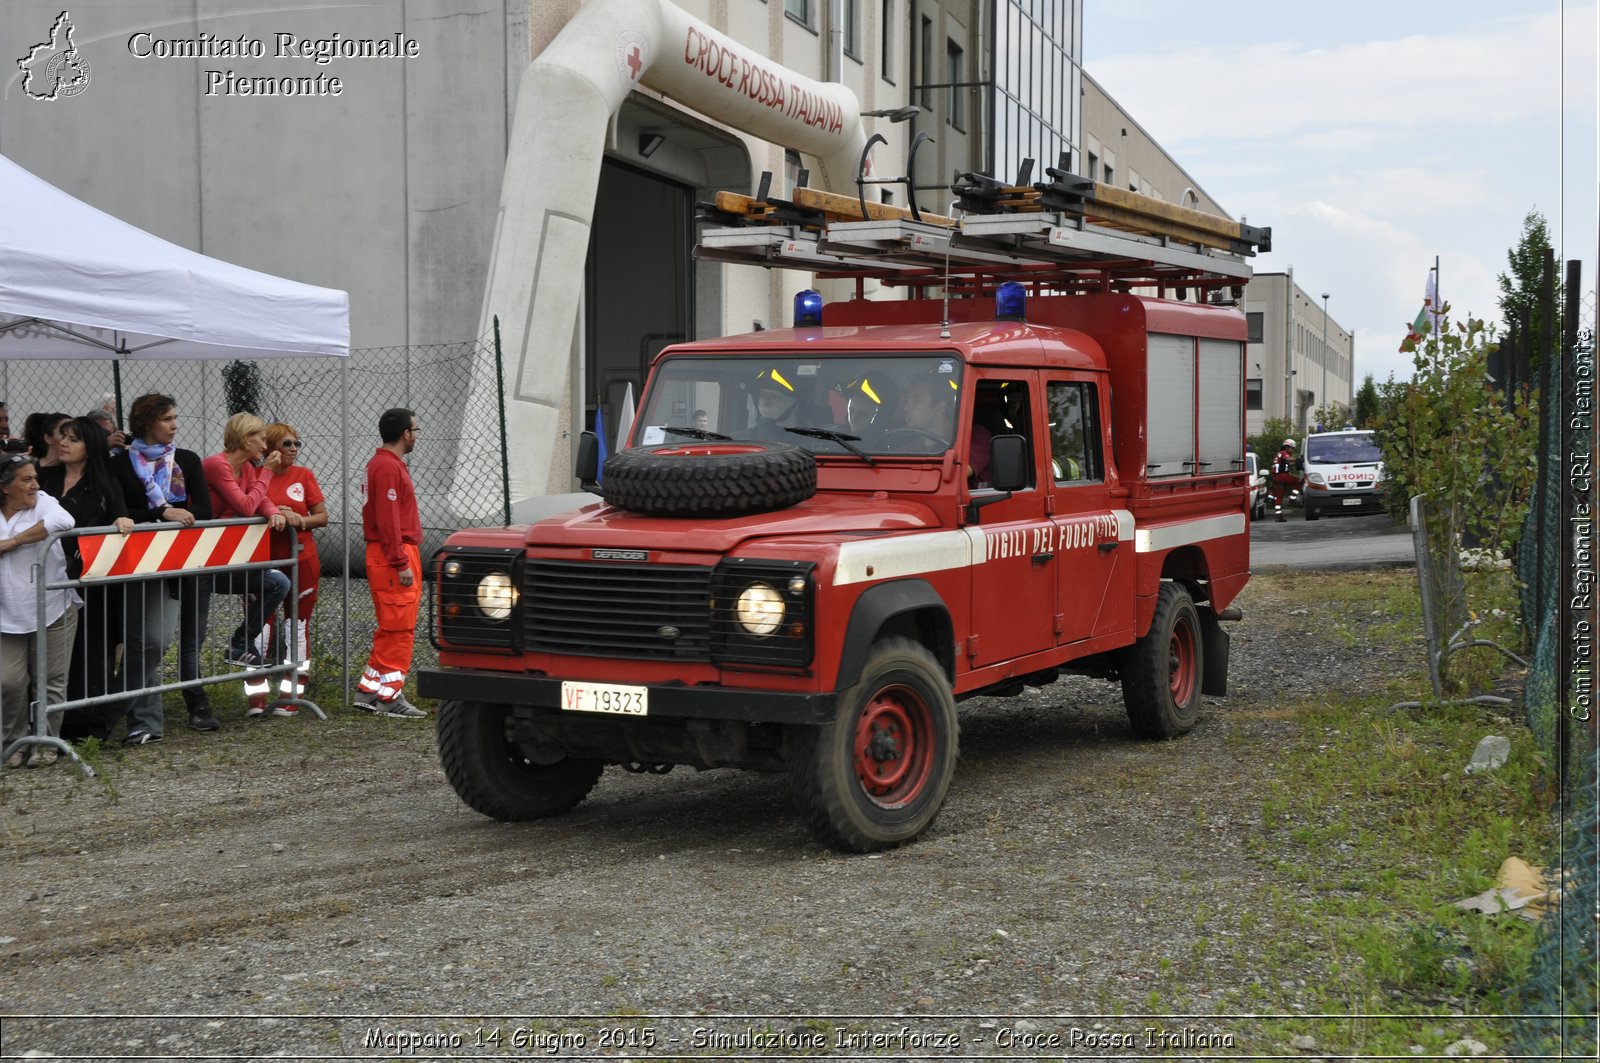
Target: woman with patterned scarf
<point x="173" y="489"/>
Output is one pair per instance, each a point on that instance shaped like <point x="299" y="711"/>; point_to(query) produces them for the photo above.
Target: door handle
<point x="1106" y="548"/>
<point x="1040" y="559"/>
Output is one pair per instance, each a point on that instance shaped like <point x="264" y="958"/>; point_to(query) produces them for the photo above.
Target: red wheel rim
<point x="1181" y="675"/>
<point x="707" y="450"/>
<point x="894" y="747"/>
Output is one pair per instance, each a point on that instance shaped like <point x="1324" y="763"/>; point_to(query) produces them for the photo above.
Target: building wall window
<point x="886" y="41"/>
<point x="1252" y="393"/>
<point x="800" y="10"/>
<point x="1254" y="324"/>
<point x="955" y="67"/>
<point x="925" y="70"/>
<point x="852" y="29"/>
<point x="1034" y="105"/>
<point x="1094" y="167"/>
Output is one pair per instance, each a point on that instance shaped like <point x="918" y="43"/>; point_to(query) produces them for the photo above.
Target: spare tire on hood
<point x="710" y="479"/>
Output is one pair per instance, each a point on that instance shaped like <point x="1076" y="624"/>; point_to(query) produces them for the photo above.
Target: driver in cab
<point x="930" y="408"/>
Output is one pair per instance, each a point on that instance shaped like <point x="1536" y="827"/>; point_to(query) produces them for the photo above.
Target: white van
<point x="1342" y="473"/>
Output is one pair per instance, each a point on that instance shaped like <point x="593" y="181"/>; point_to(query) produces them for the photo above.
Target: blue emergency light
<point x="808" y="308"/>
<point x="1010" y="301"/>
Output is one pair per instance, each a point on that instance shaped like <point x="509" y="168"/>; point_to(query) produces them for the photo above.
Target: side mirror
<point x="588" y="463"/>
<point x="1008" y="463"/>
<point x="1008" y="472"/>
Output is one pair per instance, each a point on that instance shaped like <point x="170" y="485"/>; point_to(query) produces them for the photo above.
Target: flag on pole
<point x="625" y="418"/>
<point x="1428" y="318"/>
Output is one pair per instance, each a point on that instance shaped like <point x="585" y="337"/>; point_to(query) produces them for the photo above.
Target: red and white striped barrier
<point x="173" y="550"/>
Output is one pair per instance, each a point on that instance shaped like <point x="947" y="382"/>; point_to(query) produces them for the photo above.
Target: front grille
<point x="617" y="610"/>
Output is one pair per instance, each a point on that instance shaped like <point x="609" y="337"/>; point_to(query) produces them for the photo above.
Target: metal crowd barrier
<point x="159" y="559"/>
<point x="1445" y="619"/>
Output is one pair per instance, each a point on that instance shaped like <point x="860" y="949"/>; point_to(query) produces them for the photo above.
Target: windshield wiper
<point x="694" y="433"/>
<point x="844" y="440"/>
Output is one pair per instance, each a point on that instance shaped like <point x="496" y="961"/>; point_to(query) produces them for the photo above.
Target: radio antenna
<point x="944" y="327"/>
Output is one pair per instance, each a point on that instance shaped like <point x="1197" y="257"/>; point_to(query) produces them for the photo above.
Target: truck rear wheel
<point x="494" y="774"/>
<point x="876" y="776"/>
<point x="1163" y="672"/>
<point x="710" y="479"/>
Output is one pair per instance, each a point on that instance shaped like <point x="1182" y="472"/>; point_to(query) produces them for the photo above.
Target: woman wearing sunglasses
<point x="298" y="496"/>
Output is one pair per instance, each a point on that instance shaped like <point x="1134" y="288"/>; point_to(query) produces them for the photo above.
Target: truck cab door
<point x="1014" y="587"/>
<point x="1095" y="565"/>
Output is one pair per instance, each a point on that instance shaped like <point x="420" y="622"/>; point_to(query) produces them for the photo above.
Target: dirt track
<point x="312" y="869"/>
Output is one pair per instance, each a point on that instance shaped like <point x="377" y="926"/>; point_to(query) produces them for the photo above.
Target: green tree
<point x="1452" y="436"/>
<point x="1331" y="416"/>
<point x="1519" y="290"/>
<point x="241" y="387"/>
<point x="1366" y="403"/>
<point x="1265" y="443"/>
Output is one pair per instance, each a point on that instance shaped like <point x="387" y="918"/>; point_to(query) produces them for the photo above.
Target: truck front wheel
<point x="876" y="776"/>
<point x="1163" y="672"/>
<point x="494" y="774"/>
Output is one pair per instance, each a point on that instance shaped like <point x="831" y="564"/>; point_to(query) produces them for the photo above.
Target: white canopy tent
<point x="76" y="282"/>
<point x="79" y="284"/>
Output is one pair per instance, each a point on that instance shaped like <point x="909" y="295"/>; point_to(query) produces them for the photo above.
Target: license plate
<point x="605" y="697"/>
<point x="1352" y="501"/>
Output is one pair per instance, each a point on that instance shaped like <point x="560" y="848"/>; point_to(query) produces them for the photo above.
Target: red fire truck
<point x="823" y="537"/>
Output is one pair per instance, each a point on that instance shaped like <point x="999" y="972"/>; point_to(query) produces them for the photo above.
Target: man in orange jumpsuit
<point x="392" y="528"/>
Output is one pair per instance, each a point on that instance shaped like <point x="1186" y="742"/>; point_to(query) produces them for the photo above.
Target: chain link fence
<point x="1562" y="983"/>
<point x="1447" y="621"/>
<point x="459" y="465"/>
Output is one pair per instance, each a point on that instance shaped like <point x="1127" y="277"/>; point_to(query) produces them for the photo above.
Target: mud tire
<point x="1163" y="672"/>
<point x="876" y="776"/>
<point x="495" y="776"/>
<point x="710" y="479"/>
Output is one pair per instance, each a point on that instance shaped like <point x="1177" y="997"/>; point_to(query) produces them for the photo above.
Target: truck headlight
<point x="496" y="595"/>
<point x="759" y="609"/>
<point x="1314" y="477"/>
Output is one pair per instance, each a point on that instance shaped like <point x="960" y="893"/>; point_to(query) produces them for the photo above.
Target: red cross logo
<point x="635" y="62"/>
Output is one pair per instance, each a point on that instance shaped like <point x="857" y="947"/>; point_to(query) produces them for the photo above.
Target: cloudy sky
<point x="1372" y="136"/>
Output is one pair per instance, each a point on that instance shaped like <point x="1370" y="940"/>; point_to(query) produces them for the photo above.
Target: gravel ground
<point x="250" y="885"/>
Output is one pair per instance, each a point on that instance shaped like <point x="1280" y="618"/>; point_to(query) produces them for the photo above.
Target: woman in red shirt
<point x="238" y="486"/>
<point x="298" y="496"/>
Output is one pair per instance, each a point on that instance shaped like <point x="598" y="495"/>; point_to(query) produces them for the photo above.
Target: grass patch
<point x="1371" y="831"/>
<point x="1376" y="831"/>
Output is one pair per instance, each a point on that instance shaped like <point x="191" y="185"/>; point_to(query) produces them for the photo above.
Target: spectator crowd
<point x="104" y="641"/>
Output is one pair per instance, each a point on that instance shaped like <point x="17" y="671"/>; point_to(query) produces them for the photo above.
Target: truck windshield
<point x="894" y="404"/>
<point x="1342" y="449"/>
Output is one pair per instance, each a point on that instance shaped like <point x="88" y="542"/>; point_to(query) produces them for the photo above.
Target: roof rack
<point x="1068" y="234"/>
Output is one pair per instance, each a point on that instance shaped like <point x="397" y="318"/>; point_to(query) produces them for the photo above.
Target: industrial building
<point x="411" y="187"/>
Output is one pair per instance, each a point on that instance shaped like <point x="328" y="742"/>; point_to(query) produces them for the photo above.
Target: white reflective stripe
<point x="1182" y="533"/>
<point x="257" y="688"/>
<point x="908" y="555"/>
<point x="247" y="545"/>
<point x="110" y="551"/>
<point x="1124" y="524"/>
<point x="203" y="546"/>
<point x="160" y="543"/>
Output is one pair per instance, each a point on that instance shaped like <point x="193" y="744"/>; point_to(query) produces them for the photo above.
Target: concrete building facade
<point x="1300" y="359"/>
<point x="217" y="128"/>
